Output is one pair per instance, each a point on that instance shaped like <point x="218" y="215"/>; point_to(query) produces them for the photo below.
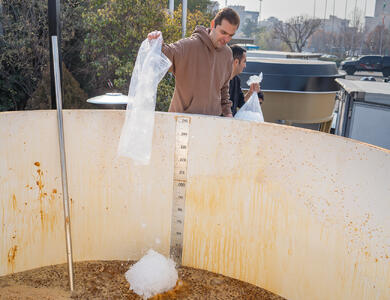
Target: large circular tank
<point x="300" y="213"/>
<point x="295" y="90"/>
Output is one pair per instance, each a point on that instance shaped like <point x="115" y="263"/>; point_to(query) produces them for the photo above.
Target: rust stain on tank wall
<point x="11" y="256"/>
<point x="47" y="216"/>
<point x="208" y="228"/>
<point x="14" y="204"/>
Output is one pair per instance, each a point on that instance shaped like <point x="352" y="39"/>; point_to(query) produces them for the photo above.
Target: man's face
<point x="242" y="63"/>
<point x="222" y="34"/>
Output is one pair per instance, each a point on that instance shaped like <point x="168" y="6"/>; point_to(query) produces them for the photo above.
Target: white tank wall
<point x="300" y="213"/>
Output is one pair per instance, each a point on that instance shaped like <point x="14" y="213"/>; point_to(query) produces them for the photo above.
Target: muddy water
<point x="106" y="280"/>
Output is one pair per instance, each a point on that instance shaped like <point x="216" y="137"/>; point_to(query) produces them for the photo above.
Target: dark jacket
<point x="236" y="94"/>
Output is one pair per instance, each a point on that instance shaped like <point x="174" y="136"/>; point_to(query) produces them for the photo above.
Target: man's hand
<point x="229" y="116"/>
<point x="255" y="87"/>
<point x="154" y="35"/>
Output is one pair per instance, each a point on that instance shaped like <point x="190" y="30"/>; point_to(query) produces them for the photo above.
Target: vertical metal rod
<point x="365" y="27"/>
<point x="354" y="29"/>
<point x="171" y="7"/>
<point x="184" y="19"/>
<point x="345" y="25"/>
<point x="64" y="178"/>
<point x="54" y="30"/>
<point x="334" y="15"/>
<point x="326" y="6"/>
<point x="260" y="11"/>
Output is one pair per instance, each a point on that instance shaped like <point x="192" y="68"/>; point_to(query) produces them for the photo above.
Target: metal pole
<point x="184" y="19"/>
<point x="334" y="5"/>
<point x="326" y="6"/>
<point x="54" y="30"/>
<point x="171" y="7"/>
<point x="345" y="25"/>
<point x="260" y="11"/>
<point x="353" y="29"/>
<point x="56" y="65"/>
<point x="365" y="27"/>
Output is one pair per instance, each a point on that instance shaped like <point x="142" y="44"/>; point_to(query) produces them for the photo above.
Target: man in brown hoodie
<point x="202" y="65"/>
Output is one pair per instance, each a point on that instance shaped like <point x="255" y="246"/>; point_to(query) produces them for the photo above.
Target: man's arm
<point x="172" y="51"/>
<point x="226" y="104"/>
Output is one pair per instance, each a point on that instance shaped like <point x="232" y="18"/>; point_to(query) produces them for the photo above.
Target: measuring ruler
<point x="179" y="188"/>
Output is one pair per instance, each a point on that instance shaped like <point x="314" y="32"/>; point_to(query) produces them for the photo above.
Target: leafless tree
<point x="296" y="31"/>
<point x="373" y="43"/>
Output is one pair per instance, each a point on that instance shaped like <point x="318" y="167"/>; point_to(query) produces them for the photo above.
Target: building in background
<point x="381" y="16"/>
<point x="245" y="17"/>
<point x="335" y="25"/>
<point x="213" y="7"/>
<point x="269" y="23"/>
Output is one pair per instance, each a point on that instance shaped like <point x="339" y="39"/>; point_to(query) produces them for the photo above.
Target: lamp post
<point x="171" y="7"/>
<point x="326" y="6"/>
<point x="345" y="25"/>
<point x="260" y="2"/>
<point x="184" y="19"/>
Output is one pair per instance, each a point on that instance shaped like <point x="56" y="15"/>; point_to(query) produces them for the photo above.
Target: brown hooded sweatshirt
<point x="202" y="75"/>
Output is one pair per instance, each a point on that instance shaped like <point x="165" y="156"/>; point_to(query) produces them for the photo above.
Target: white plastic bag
<point x="251" y="110"/>
<point x="137" y="132"/>
<point x="255" y="79"/>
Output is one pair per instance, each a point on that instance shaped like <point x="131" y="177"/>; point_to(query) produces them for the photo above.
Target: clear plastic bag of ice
<point x="251" y="110"/>
<point x="137" y="132"/>
<point x="152" y="274"/>
<point x="255" y="79"/>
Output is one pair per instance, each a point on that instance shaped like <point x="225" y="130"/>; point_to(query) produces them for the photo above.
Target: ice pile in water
<point x="152" y="274"/>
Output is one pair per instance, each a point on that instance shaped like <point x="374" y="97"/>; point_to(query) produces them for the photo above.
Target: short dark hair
<point x="238" y="52"/>
<point x="229" y="15"/>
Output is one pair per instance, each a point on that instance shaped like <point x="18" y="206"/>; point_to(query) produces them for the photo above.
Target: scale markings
<point x="179" y="188"/>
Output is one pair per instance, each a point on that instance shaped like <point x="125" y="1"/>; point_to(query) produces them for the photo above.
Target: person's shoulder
<point x="227" y="51"/>
<point x="236" y="79"/>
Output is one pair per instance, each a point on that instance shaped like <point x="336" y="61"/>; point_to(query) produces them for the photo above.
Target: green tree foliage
<point x="24" y="46"/>
<point x="116" y="30"/>
<point x="172" y="30"/>
<point x="195" y="5"/>
<point x="74" y="96"/>
<point x="100" y="41"/>
<point x="23" y="51"/>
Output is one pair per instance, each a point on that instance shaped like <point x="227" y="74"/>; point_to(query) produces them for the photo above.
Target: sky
<point x="285" y="9"/>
